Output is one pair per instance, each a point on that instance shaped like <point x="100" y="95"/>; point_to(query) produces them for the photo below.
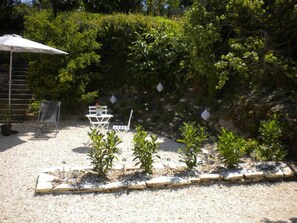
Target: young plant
<point x="103" y="150"/>
<point x="271" y="148"/>
<point x="144" y="149"/>
<point x="192" y="138"/>
<point x="230" y="147"/>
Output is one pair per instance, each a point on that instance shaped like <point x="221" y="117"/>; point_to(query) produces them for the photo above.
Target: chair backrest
<point x="49" y="111"/>
<point x="129" y="122"/>
<point x="92" y="110"/>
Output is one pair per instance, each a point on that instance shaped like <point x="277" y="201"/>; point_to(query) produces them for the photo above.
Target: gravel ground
<point x="22" y="156"/>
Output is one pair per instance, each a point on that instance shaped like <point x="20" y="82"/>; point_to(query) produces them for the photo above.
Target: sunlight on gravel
<point x="22" y="157"/>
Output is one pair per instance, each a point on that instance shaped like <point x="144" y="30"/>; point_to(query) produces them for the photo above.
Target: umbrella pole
<point x="10" y="82"/>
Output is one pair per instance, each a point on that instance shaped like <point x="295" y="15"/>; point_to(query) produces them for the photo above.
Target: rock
<point x="273" y="174"/>
<point x="210" y="177"/>
<point x="114" y="186"/>
<point x="287" y="172"/>
<point x="194" y="179"/>
<point x="254" y="175"/>
<point x="234" y="175"/>
<point x="293" y="167"/>
<point x="64" y="187"/>
<point x="44" y="177"/>
<point x="137" y="185"/>
<point x="43" y="187"/>
<point x="179" y="181"/>
<point x="92" y="187"/>
<point x="159" y="181"/>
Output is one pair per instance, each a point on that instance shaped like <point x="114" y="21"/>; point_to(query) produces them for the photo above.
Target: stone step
<point x="16" y="101"/>
<point x="19" y="84"/>
<point x="17" y="95"/>
<point x="15" y="106"/>
<point x="16" y="91"/>
<point x="15" y="111"/>
<point x="21" y="96"/>
<point x="19" y="81"/>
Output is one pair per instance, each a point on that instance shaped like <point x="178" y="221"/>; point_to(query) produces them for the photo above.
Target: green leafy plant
<point x="230" y="147"/>
<point x="103" y="150"/>
<point x="7" y="112"/>
<point x="144" y="149"/>
<point x="192" y="136"/>
<point x="35" y="106"/>
<point x="271" y="147"/>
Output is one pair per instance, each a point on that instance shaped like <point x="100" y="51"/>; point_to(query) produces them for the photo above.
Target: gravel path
<point x="22" y="156"/>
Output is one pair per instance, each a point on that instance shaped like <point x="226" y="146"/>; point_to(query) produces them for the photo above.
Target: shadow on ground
<point x="292" y="220"/>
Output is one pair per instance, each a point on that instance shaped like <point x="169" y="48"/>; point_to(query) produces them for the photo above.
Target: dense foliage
<point x="59" y="76"/>
<point x="240" y="42"/>
<point x="243" y="58"/>
<point x="89" y="38"/>
<point x="12" y="14"/>
<point x="117" y="34"/>
<point x="159" y="55"/>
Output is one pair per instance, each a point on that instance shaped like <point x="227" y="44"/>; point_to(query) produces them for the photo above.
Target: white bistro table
<point x="99" y="121"/>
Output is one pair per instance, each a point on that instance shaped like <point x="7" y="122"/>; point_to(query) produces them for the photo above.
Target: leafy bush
<point x="192" y="136"/>
<point x="230" y="147"/>
<point x="103" y="150"/>
<point x="144" y="150"/>
<point x="35" y="106"/>
<point x="89" y="39"/>
<point x="63" y="77"/>
<point x="159" y="55"/>
<point x="271" y="147"/>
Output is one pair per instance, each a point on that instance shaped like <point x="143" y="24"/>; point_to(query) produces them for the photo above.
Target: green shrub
<point x="271" y="148"/>
<point x="192" y="137"/>
<point x="103" y="150"/>
<point x="35" y="107"/>
<point x="144" y="150"/>
<point x="159" y="55"/>
<point x="63" y="77"/>
<point x="230" y="147"/>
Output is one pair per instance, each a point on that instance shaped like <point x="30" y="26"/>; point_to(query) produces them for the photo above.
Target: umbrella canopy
<point x="15" y="43"/>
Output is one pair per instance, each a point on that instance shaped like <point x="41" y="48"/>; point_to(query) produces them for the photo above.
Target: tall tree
<point x="108" y="7"/>
<point x="11" y="20"/>
<point x="165" y="7"/>
<point x="64" y="6"/>
<point x="250" y="41"/>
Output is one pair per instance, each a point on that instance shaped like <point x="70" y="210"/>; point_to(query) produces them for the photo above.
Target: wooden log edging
<point x="48" y="183"/>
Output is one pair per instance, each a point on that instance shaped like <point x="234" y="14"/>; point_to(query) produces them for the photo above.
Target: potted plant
<point x="6" y="126"/>
<point x="99" y="109"/>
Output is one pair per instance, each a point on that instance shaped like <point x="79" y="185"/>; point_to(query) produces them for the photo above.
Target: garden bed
<point x="83" y="179"/>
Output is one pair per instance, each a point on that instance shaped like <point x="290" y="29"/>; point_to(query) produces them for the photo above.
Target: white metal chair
<point x="123" y="128"/>
<point x="93" y="110"/>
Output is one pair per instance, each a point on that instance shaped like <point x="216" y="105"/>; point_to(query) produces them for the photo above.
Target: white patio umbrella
<point x="15" y="43"/>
